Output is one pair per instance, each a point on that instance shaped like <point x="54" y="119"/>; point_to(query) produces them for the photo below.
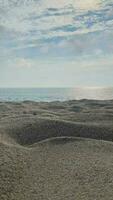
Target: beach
<point x="57" y="150"/>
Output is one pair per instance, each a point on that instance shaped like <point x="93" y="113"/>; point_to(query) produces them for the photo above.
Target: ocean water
<point x="55" y="94"/>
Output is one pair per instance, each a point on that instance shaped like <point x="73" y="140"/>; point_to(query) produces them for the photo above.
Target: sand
<point x="56" y="151"/>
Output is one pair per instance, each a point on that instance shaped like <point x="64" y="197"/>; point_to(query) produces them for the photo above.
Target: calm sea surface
<point x="54" y="94"/>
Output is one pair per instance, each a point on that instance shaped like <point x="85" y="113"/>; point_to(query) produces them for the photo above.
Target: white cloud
<point x="30" y="23"/>
<point x="23" y="63"/>
<point x="20" y="63"/>
<point x="86" y="63"/>
<point x="87" y="4"/>
<point x="26" y="18"/>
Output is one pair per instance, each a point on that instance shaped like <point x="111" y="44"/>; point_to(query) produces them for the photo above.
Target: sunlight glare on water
<point x="55" y="94"/>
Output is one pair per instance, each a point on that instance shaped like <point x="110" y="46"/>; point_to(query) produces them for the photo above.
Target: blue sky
<point x="56" y="43"/>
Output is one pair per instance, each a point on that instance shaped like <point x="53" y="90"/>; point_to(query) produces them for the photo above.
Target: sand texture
<point x="56" y="151"/>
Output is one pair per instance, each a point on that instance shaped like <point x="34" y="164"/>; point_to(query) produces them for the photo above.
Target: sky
<point x="56" y="43"/>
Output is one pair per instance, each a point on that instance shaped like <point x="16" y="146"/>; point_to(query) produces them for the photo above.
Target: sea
<point x="55" y="94"/>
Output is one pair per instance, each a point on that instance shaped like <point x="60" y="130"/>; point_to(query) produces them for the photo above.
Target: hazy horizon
<point x="50" y="44"/>
<point x="76" y="87"/>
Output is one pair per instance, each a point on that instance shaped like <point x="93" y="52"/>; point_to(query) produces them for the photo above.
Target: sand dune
<point x="56" y="151"/>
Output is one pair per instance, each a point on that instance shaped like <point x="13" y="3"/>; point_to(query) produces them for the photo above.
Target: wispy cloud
<point x="44" y="37"/>
<point x="35" y="21"/>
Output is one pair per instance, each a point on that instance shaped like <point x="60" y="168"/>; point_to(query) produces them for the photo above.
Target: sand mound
<point x="33" y="130"/>
<point x="48" y="150"/>
<point x="57" y="168"/>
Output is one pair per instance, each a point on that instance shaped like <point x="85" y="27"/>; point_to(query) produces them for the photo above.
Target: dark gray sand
<point x="56" y="151"/>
